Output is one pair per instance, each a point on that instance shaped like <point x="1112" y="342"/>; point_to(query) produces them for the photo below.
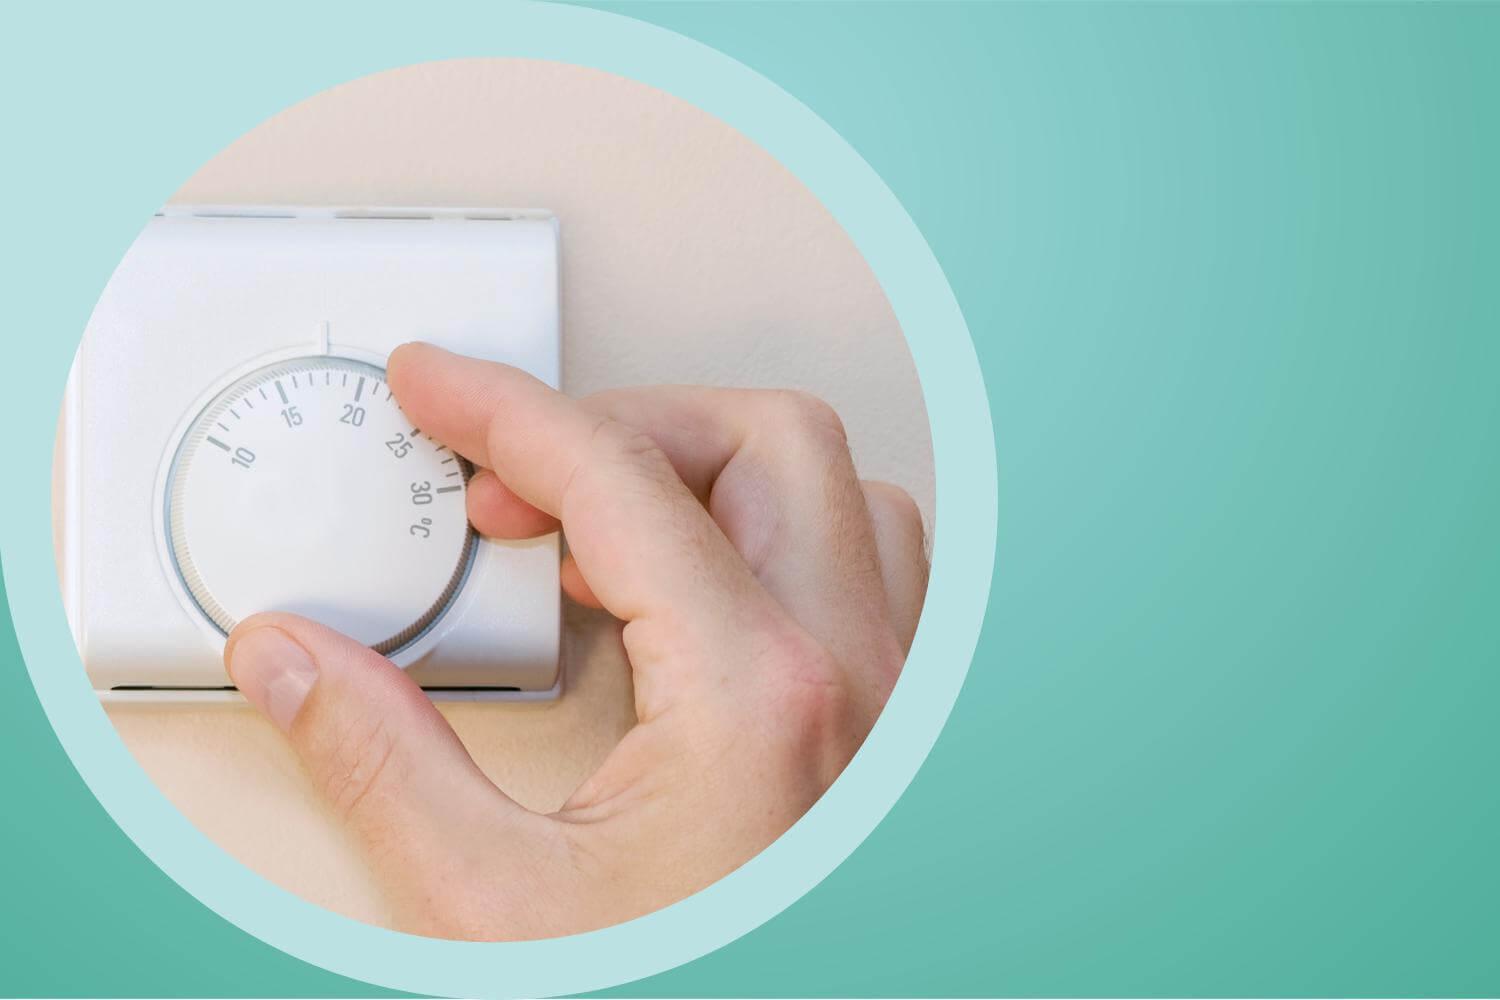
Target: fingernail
<point x="273" y="671"/>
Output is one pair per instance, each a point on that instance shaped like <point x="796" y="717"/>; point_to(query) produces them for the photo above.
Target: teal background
<point x="1231" y="729"/>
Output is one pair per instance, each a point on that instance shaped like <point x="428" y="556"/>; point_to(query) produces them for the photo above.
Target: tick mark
<point x="359" y="388"/>
<point x="222" y="424"/>
<point x="449" y="489"/>
<point x="282" y="391"/>
<point x="234" y="415"/>
<point x="451" y="474"/>
<point x="294" y="381"/>
<point x="263" y="393"/>
<point x="217" y="442"/>
<point x="446" y="460"/>
<point x="346" y="378"/>
<point x="326" y="377"/>
<point x="249" y="403"/>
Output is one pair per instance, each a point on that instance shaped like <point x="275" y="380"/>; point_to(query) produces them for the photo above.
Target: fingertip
<point x="331" y="648"/>
<point x="260" y="650"/>
<point x="272" y="669"/>
<point x="302" y="628"/>
<point x="575" y="586"/>
<point x="450" y="397"/>
<point x="413" y="349"/>
<point x="496" y="511"/>
<point x="264" y="619"/>
<point x="402" y="362"/>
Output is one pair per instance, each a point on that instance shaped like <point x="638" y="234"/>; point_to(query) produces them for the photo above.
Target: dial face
<point x="303" y="487"/>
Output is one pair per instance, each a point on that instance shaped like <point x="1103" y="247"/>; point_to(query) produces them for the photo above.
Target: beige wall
<point x="688" y="256"/>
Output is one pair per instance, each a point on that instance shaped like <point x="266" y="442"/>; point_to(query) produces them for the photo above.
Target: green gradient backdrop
<point x="1232" y="727"/>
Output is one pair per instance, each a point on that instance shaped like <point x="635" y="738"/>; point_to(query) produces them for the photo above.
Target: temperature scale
<point x="231" y="446"/>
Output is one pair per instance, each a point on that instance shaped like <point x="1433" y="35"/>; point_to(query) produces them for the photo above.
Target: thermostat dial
<point x="302" y="487"/>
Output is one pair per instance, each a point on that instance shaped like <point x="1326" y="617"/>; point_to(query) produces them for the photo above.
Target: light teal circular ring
<point x="964" y="460"/>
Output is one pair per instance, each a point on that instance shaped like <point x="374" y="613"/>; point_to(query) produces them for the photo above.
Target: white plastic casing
<point x="206" y="295"/>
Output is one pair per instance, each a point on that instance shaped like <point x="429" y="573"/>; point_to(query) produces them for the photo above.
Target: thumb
<point x="383" y="757"/>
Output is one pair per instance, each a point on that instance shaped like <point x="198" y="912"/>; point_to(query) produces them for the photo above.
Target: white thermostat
<point x="231" y="446"/>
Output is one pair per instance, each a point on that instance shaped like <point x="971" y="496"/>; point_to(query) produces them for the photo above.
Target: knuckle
<point x="618" y="454"/>
<point x="808" y="416"/>
<point x="810" y="689"/>
<point x="623" y="443"/>
<point x="818" y="711"/>
<point x="897" y="504"/>
<point x="604" y="402"/>
<point x="357" y="763"/>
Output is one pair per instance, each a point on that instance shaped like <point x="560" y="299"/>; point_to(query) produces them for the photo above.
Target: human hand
<point x="768" y="597"/>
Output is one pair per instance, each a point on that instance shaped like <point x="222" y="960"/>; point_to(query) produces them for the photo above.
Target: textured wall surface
<point x="689" y="255"/>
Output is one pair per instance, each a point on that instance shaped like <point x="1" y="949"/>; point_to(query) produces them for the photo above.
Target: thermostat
<point x="231" y="446"/>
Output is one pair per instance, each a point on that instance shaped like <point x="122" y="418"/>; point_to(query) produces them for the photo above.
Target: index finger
<point x="642" y="540"/>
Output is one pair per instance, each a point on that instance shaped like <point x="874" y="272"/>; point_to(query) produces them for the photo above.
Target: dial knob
<point x="302" y="487"/>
